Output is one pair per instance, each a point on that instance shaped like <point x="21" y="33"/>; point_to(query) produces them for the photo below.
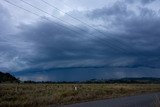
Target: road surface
<point x="147" y="100"/>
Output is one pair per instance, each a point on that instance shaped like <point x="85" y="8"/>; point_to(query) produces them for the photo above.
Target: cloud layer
<point x="125" y="43"/>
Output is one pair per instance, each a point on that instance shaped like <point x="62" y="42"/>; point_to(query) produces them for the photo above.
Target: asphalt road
<point x="147" y="100"/>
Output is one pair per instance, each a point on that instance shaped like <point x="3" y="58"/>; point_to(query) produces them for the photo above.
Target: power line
<point x="43" y="17"/>
<point x="21" y="8"/>
<point x="62" y="26"/>
<point x="39" y="15"/>
<point x="106" y="42"/>
<point x="80" y="21"/>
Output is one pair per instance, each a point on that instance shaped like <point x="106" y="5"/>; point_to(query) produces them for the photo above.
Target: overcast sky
<point x="80" y="39"/>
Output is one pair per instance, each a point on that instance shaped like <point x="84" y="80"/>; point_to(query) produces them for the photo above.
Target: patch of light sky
<point x="20" y="16"/>
<point x="73" y="7"/>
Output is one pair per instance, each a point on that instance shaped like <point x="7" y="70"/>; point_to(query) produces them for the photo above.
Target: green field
<point x="30" y="95"/>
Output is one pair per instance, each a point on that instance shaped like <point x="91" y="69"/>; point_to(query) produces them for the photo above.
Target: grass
<point x="157" y="101"/>
<point x="24" y="95"/>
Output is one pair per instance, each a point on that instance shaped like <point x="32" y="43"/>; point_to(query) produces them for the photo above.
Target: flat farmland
<point x="30" y="95"/>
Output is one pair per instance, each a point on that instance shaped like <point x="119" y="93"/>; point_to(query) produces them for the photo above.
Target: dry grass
<point x="24" y="95"/>
<point x="157" y="101"/>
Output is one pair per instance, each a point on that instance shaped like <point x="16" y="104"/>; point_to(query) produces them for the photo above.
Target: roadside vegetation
<point x="31" y="95"/>
<point x="157" y="101"/>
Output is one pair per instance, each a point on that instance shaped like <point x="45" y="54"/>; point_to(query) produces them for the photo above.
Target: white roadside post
<point x="75" y="88"/>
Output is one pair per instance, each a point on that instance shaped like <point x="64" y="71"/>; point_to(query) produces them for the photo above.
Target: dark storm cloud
<point x="52" y="42"/>
<point x="117" y="9"/>
<point x="81" y="74"/>
<point x="66" y="54"/>
<point x="7" y="50"/>
<point x="46" y="48"/>
<point x="141" y="30"/>
<point x="58" y="46"/>
<point x="141" y="1"/>
<point x="147" y="1"/>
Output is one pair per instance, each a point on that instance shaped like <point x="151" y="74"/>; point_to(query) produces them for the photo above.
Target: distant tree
<point x="6" y="77"/>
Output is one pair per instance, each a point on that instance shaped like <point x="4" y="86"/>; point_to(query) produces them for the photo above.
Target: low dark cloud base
<point x="81" y="74"/>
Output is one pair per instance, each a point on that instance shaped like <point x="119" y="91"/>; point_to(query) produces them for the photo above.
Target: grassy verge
<point x="157" y="101"/>
<point x="24" y="95"/>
